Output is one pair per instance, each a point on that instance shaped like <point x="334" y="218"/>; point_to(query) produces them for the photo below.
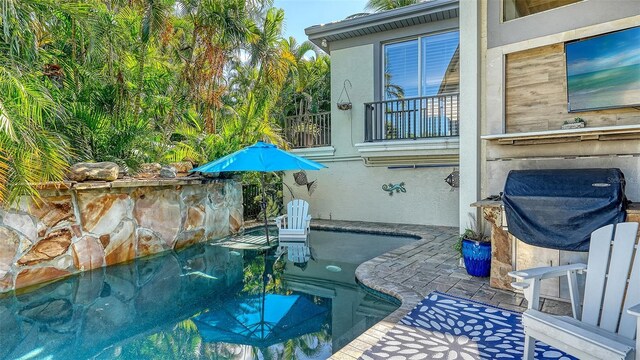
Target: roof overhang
<point x="422" y="13"/>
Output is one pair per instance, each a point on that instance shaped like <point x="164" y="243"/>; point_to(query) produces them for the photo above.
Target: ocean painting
<point x="604" y="71"/>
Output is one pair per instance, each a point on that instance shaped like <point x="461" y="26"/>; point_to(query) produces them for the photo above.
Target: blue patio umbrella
<point x="262" y="320"/>
<point x="261" y="157"/>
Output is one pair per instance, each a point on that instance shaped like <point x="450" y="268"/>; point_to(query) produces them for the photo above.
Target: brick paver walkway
<point x="413" y="271"/>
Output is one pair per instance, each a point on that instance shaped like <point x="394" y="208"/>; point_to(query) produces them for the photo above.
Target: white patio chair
<point x="604" y="326"/>
<point x="294" y="226"/>
<point x="298" y="253"/>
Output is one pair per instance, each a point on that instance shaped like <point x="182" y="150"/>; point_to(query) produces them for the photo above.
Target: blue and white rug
<point x="446" y="327"/>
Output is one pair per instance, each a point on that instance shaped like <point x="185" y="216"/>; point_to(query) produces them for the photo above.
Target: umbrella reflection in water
<point x="262" y="320"/>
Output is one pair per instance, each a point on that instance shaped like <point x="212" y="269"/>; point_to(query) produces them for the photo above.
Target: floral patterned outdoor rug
<point x="446" y="327"/>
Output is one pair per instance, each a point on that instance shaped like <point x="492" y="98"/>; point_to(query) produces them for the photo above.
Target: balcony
<point x="424" y="117"/>
<point x="308" y="130"/>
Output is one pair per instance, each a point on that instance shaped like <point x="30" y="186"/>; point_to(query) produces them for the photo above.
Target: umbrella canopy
<point x="260" y="157"/>
<point x="262" y="320"/>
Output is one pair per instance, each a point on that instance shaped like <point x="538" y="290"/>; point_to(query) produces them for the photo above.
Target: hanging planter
<point x="342" y="104"/>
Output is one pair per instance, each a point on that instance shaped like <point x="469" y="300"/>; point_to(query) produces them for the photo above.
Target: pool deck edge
<point x="409" y="273"/>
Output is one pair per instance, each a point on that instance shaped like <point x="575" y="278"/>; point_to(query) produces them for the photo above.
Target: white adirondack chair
<point x="604" y="326"/>
<point x="298" y="253"/>
<point x="294" y="226"/>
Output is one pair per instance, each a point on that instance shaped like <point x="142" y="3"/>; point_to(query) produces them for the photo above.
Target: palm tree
<point x="31" y="151"/>
<point x="219" y="27"/>
<point x="269" y="53"/>
<point x="382" y="5"/>
<point x="142" y="80"/>
<point x="154" y="18"/>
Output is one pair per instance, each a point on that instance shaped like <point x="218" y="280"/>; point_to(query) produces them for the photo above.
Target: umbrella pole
<point x="264" y="294"/>
<point x="264" y="209"/>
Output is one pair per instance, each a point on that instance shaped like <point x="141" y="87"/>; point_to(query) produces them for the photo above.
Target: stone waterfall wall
<point x="81" y="226"/>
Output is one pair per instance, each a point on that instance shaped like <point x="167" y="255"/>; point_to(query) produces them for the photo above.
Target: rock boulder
<point x="52" y="246"/>
<point x="149" y="171"/>
<point x="182" y="167"/>
<point x="88" y="253"/>
<point x="106" y="171"/>
<point x="167" y="172"/>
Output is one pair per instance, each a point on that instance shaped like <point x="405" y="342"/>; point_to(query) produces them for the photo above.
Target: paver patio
<point x="413" y="271"/>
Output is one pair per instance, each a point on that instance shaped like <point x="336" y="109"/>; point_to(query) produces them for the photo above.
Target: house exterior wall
<point x="539" y="35"/>
<point x="472" y="45"/>
<point x="561" y="20"/>
<point x="356" y="64"/>
<point x="348" y="190"/>
<point x="536" y="94"/>
<point x="499" y="159"/>
<point x="351" y="190"/>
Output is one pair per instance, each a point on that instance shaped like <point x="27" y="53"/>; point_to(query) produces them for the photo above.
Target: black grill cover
<point x="559" y="209"/>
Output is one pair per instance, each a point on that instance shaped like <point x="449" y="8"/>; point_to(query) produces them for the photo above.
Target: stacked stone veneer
<point x="89" y="225"/>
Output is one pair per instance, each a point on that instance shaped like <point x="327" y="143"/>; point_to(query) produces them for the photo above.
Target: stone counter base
<point x="73" y="230"/>
<point x="502" y="261"/>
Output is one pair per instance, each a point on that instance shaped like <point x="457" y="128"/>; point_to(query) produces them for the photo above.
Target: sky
<point x="301" y="14"/>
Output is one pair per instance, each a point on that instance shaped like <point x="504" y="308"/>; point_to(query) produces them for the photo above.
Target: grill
<point x="558" y="209"/>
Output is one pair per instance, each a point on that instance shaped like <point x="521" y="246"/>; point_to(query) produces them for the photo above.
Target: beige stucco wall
<point x="356" y="65"/>
<point x="350" y="190"/>
<point x="472" y="47"/>
<point x="499" y="159"/>
<point x="347" y="190"/>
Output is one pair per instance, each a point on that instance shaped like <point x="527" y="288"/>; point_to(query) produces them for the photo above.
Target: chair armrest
<point x="308" y="223"/>
<point x="635" y="311"/>
<point x="279" y="221"/>
<point x="529" y="282"/>
<point x="541" y="273"/>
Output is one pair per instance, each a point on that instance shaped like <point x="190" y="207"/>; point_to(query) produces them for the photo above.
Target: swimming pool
<point x="211" y="300"/>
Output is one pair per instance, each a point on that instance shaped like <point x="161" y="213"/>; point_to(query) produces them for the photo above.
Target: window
<point x="421" y="81"/>
<point x="440" y="64"/>
<point x="426" y="66"/>
<point x="514" y="9"/>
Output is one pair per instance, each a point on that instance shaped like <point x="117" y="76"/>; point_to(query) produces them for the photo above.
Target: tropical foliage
<point x="382" y="5"/>
<point x="135" y="81"/>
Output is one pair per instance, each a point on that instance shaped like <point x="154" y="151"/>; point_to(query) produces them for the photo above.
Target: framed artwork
<point x="603" y="72"/>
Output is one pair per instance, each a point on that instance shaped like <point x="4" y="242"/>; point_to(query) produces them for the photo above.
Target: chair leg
<point x="574" y="294"/>
<point x="529" y="348"/>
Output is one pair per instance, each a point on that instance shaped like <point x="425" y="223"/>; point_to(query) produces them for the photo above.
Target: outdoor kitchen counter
<point x="502" y="241"/>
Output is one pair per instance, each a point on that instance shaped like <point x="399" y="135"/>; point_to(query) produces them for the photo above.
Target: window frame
<point x="419" y="38"/>
<point x="502" y="9"/>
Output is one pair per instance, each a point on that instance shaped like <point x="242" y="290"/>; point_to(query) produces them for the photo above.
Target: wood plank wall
<point x="536" y="94"/>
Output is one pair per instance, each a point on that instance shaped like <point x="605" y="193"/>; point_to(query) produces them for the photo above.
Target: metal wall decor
<point x="453" y="179"/>
<point x="300" y="179"/>
<point x="342" y="104"/>
<point x="390" y="188"/>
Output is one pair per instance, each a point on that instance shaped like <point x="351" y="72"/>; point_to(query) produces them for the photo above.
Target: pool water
<point x="210" y="301"/>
